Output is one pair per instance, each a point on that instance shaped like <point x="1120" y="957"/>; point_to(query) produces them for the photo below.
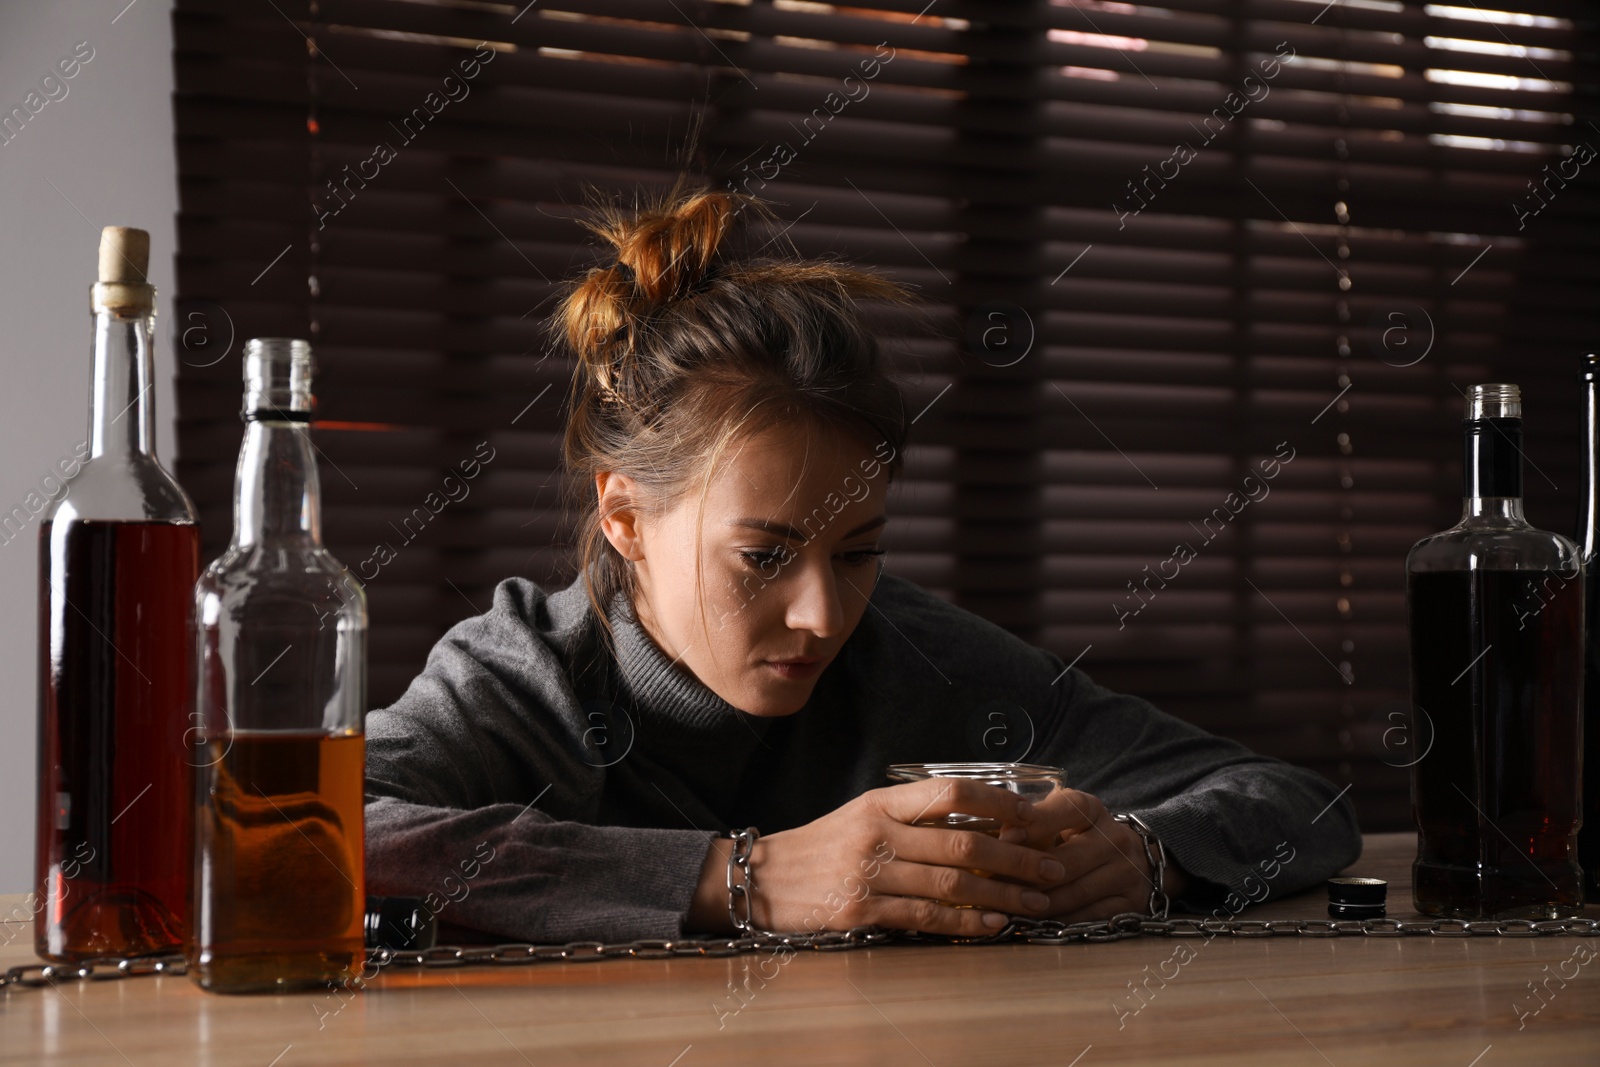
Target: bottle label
<point x="1493" y="462"/>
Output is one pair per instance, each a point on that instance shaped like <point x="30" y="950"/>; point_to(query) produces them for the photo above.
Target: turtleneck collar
<point x="671" y="703"/>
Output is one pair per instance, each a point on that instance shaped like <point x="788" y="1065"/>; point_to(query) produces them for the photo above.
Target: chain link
<point x="1028" y="931"/>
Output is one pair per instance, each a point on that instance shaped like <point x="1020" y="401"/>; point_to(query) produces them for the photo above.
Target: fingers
<point x="933" y="798"/>
<point x="931" y="917"/>
<point x="1105" y="875"/>
<point x="972" y="850"/>
<point x="1106" y="890"/>
<point x="1062" y="810"/>
<point x="1071" y="809"/>
<point x="1079" y="859"/>
<point x="1110" y="844"/>
<point x="949" y="885"/>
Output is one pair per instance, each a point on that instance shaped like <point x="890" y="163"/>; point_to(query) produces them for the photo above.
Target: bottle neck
<point x="1493" y="508"/>
<point x="1589" y="515"/>
<point x="279" y="499"/>
<point x="121" y="404"/>
<point x="1492" y="470"/>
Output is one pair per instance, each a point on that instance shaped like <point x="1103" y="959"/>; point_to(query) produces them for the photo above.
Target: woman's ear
<point x="619" y="520"/>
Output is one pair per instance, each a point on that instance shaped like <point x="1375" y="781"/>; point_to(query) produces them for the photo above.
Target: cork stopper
<point x="123" y="287"/>
<point x="124" y="255"/>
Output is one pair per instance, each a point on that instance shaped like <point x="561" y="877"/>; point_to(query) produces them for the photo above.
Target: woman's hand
<point x="865" y="864"/>
<point x="1104" y="860"/>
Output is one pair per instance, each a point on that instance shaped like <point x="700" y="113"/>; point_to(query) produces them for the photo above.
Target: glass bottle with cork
<point x="119" y="551"/>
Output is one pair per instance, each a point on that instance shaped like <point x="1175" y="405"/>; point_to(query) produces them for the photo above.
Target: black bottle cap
<point x="400" y="923"/>
<point x="1357" y="911"/>
<point x="1358" y="891"/>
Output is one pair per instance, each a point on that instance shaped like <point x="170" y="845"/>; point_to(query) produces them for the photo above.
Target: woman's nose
<point x="815" y="603"/>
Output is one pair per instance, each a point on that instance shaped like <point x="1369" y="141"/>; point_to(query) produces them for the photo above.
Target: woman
<point x="567" y="764"/>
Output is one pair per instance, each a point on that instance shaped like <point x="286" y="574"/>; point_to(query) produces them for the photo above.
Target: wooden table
<point x="1272" y="1001"/>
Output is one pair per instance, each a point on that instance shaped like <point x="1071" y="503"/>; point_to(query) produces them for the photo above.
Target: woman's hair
<point x="682" y="346"/>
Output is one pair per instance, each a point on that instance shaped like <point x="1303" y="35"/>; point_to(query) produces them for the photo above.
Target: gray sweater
<point x="530" y="786"/>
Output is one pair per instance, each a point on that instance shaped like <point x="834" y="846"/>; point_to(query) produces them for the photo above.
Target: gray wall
<point x="106" y="146"/>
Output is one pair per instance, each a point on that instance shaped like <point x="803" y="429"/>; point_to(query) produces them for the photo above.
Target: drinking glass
<point x="1034" y="782"/>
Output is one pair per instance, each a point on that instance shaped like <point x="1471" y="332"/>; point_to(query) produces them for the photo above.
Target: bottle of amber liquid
<point x="118" y="553"/>
<point x="280" y="869"/>
<point x="1589" y="549"/>
<point x="1496" y="622"/>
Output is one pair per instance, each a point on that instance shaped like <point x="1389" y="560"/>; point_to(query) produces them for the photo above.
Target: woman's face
<point x="788" y="551"/>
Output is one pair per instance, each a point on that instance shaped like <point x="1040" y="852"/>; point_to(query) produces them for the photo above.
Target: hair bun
<point x="665" y="250"/>
<point x="669" y="252"/>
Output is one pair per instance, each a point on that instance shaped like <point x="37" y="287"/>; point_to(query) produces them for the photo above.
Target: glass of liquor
<point x="281" y="647"/>
<point x="119" y="549"/>
<point x="1496" y="625"/>
<point x="1031" y="781"/>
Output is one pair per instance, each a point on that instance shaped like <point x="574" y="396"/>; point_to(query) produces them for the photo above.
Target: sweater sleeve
<point x="1247" y="827"/>
<point x="479" y="800"/>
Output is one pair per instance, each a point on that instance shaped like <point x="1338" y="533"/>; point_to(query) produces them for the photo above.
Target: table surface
<point x="1461" y="1002"/>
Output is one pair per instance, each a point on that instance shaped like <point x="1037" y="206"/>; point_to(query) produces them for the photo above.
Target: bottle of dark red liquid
<point x="118" y="556"/>
<point x="1496" y="621"/>
<point x="1589" y="548"/>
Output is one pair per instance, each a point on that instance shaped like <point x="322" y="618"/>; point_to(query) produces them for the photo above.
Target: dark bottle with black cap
<point x="1589" y="548"/>
<point x="1496" y="623"/>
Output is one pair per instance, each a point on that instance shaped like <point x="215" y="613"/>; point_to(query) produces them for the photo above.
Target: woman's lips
<point x="795" y="669"/>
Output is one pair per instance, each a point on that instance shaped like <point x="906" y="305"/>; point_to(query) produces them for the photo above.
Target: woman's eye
<point x="767" y="558"/>
<point x="782" y="557"/>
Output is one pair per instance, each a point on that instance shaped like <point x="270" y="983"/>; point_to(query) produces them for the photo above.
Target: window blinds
<point x="1210" y="277"/>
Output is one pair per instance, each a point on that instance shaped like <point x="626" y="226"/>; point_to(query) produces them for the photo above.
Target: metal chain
<point x="1030" y="931"/>
<point x="1155" y="855"/>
